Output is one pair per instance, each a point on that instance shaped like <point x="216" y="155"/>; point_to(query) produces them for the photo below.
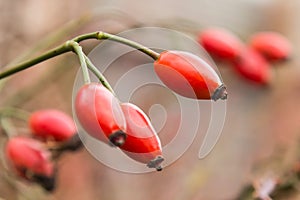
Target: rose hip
<point x="31" y="161"/>
<point x="252" y="66"/>
<point x="52" y="124"/>
<point x="272" y="45"/>
<point x="189" y="75"/>
<point x="142" y="143"/>
<point x="100" y="114"/>
<point x="221" y="43"/>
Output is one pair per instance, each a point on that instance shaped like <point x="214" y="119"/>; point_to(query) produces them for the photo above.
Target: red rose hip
<point x="272" y="45"/>
<point x="52" y="124"/>
<point x="100" y="114"/>
<point x="189" y="75"/>
<point x="31" y="160"/>
<point x="221" y="43"/>
<point x="142" y="143"/>
<point x="252" y="66"/>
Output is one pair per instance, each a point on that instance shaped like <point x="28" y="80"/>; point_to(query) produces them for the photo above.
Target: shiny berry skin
<point x="100" y="114"/>
<point x="52" y="124"/>
<point x="272" y="45"/>
<point x="31" y="161"/>
<point x="142" y="143"/>
<point x="189" y="75"/>
<point x="254" y="67"/>
<point x="221" y="43"/>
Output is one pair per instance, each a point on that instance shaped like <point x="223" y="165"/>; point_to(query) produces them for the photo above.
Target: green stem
<point x="99" y="75"/>
<point x="78" y="50"/>
<point x="68" y="46"/>
<point x="49" y="40"/>
<point x="27" y="64"/>
<point x="103" y="36"/>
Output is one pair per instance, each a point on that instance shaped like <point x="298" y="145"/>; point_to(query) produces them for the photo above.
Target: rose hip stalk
<point x="142" y="143"/>
<point x="221" y="43"/>
<point x="31" y="161"/>
<point x="252" y="66"/>
<point x="189" y="75"/>
<point x="100" y="114"/>
<point x="52" y="124"/>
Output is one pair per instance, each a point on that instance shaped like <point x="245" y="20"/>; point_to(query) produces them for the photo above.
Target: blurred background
<point x="262" y="128"/>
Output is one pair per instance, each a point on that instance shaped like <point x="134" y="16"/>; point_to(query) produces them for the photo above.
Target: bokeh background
<point x="261" y="133"/>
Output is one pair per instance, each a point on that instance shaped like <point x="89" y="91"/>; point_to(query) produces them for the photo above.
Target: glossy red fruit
<point x="253" y="66"/>
<point x="142" y="143"/>
<point x="221" y="43"/>
<point x="274" y="46"/>
<point x="52" y="124"/>
<point x="189" y="75"/>
<point x="31" y="160"/>
<point x="100" y="114"/>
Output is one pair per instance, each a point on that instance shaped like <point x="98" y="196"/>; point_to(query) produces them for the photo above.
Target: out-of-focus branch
<point x="273" y="187"/>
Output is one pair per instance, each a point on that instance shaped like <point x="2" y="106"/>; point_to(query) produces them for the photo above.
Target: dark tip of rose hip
<point x="158" y="168"/>
<point x="117" y="138"/>
<point x="155" y="163"/>
<point x="284" y="60"/>
<point x="73" y="144"/>
<point x="48" y="183"/>
<point x="220" y="93"/>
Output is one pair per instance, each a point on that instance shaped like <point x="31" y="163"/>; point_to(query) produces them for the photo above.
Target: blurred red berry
<point x="142" y="143"/>
<point x="52" y="124"/>
<point x="100" y="114"/>
<point x="31" y="160"/>
<point x="272" y="45"/>
<point x="189" y="75"/>
<point x="253" y="66"/>
<point x="221" y="43"/>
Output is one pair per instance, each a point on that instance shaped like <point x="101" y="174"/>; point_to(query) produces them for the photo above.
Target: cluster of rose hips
<point x="32" y="157"/>
<point x="103" y="116"/>
<point x="251" y="61"/>
<point x="126" y="126"/>
<point x="123" y="125"/>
